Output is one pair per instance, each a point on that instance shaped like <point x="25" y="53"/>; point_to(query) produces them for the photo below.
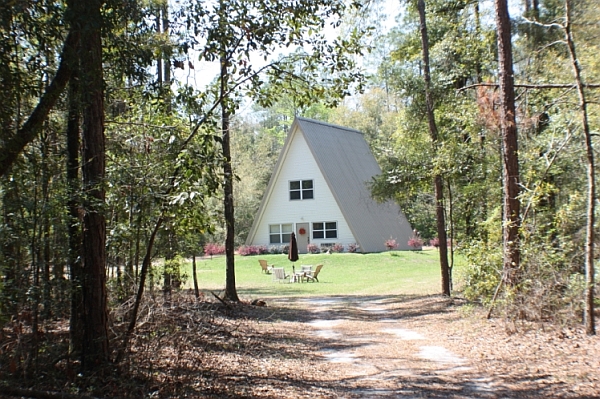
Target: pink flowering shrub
<point x="391" y="244"/>
<point x="211" y="249"/>
<point x="246" y="250"/>
<point x="435" y="242"/>
<point x="313" y="249"/>
<point x="415" y="242"/>
<point x="338" y="248"/>
<point x="352" y="248"/>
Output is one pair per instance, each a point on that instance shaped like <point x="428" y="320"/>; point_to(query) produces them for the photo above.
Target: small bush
<point x="415" y="243"/>
<point x="391" y="244"/>
<point x="352" y="248"/>
<point x="285" y="249"/>
<point x="211" y="249"/>
<point x="337" y="248"/>
<point x="435" y="242"/>
<point x="482" y="271"/>
<point x="246" y="250"/>
<point x="263" y="250"/>
<point x="172" y="273"/>
<point x="275" y="250"/>
<point x="313" y="249"/>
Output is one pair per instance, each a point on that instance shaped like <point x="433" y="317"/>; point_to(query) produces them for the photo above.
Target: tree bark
<point x="591" y="200"/>
<point x="510" y="159"/>
<point x="433" y="133"/>
<point x="74" y="225"/>
<point x="195" y="274"/>
<point x="230" y="288"/>
<point x="95" y="341"/>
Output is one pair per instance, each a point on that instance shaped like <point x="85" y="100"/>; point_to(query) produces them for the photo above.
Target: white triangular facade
<point x="332" y="166"/>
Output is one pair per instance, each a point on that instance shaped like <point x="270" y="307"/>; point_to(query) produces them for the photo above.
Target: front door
<point x="302" y="239"/>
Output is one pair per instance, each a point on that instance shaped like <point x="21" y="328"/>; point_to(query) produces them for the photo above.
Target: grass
<point x="393" y="273"/>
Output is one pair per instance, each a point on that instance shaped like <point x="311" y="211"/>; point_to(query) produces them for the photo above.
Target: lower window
<point x="280" y="233"/>
<point x="324" y="230"/>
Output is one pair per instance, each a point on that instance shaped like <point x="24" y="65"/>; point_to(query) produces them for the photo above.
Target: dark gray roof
<point x="348" y="165"/>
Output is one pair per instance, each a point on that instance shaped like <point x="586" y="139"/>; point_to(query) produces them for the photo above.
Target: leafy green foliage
<point x="482" y="272"/>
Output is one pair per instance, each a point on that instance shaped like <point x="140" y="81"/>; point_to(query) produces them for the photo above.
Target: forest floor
<point x="335" y="347"/>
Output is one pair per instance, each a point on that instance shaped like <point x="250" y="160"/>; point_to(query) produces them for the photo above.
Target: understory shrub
<point x="482" y="272"/>
<point x="173" y="276"/>
<point x="352" y="248"/>
<point x="550" y="286"/>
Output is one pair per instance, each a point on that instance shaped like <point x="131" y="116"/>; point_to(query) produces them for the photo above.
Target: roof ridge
<point x="318" y="122"/>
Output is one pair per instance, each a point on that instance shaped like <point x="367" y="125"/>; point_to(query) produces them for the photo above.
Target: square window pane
<point x="274" y="228"/>
<point x="331" y="225"/>
<point x="294" y="185"/>
<point x="286" y="237"/>
<point x="307" y="195"/>
<point x="274" y="239"/>
<point x="286" y="228"/>
<point x="331" y="234"/>
<point x="317" y="234"/>
<point x="307" y="184"/>
<point x="317" y="226"/>
<point x="294" y="195"/>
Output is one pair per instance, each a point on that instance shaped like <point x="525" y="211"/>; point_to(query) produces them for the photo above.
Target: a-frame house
<point x="319" y="190"/>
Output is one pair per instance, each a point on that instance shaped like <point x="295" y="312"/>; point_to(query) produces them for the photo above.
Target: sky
<point x="204" y="72"/>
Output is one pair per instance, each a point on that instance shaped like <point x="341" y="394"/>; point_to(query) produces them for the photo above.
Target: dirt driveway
<point x="347" y="347"/>
<point x="418" y="347"/>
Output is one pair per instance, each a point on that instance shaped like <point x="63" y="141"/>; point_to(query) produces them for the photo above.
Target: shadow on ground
<point x="213" y="350"/>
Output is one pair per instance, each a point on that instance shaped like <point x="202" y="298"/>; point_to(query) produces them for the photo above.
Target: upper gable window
<point x="301" y="189"/>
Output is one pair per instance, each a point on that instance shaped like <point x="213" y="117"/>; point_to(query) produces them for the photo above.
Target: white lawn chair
<point x="279" y="274"/>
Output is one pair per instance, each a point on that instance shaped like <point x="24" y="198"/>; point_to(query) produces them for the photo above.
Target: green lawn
<point x="395" y="272"/>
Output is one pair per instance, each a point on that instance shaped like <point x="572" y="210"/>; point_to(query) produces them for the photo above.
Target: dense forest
<point x="134" y="131"/>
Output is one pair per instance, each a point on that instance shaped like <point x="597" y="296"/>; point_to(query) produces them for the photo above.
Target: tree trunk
<point x="511" y="217"/>
<point x="230" y="288"/>
<point x="196" y="290"/>
<point x="12" y="268"/>
<point x="591" y="200"/>
<point x="95" y="341"/>
<point x="437" y="179"/>
<point x="74" y="225"/>
<point x="45" y="227"/>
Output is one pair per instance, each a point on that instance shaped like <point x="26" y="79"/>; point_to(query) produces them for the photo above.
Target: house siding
<point x="300" y="165"/>
<point x="341" y="165"/>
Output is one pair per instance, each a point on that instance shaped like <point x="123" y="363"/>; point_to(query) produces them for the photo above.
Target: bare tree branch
<point x="534" y="86"/>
